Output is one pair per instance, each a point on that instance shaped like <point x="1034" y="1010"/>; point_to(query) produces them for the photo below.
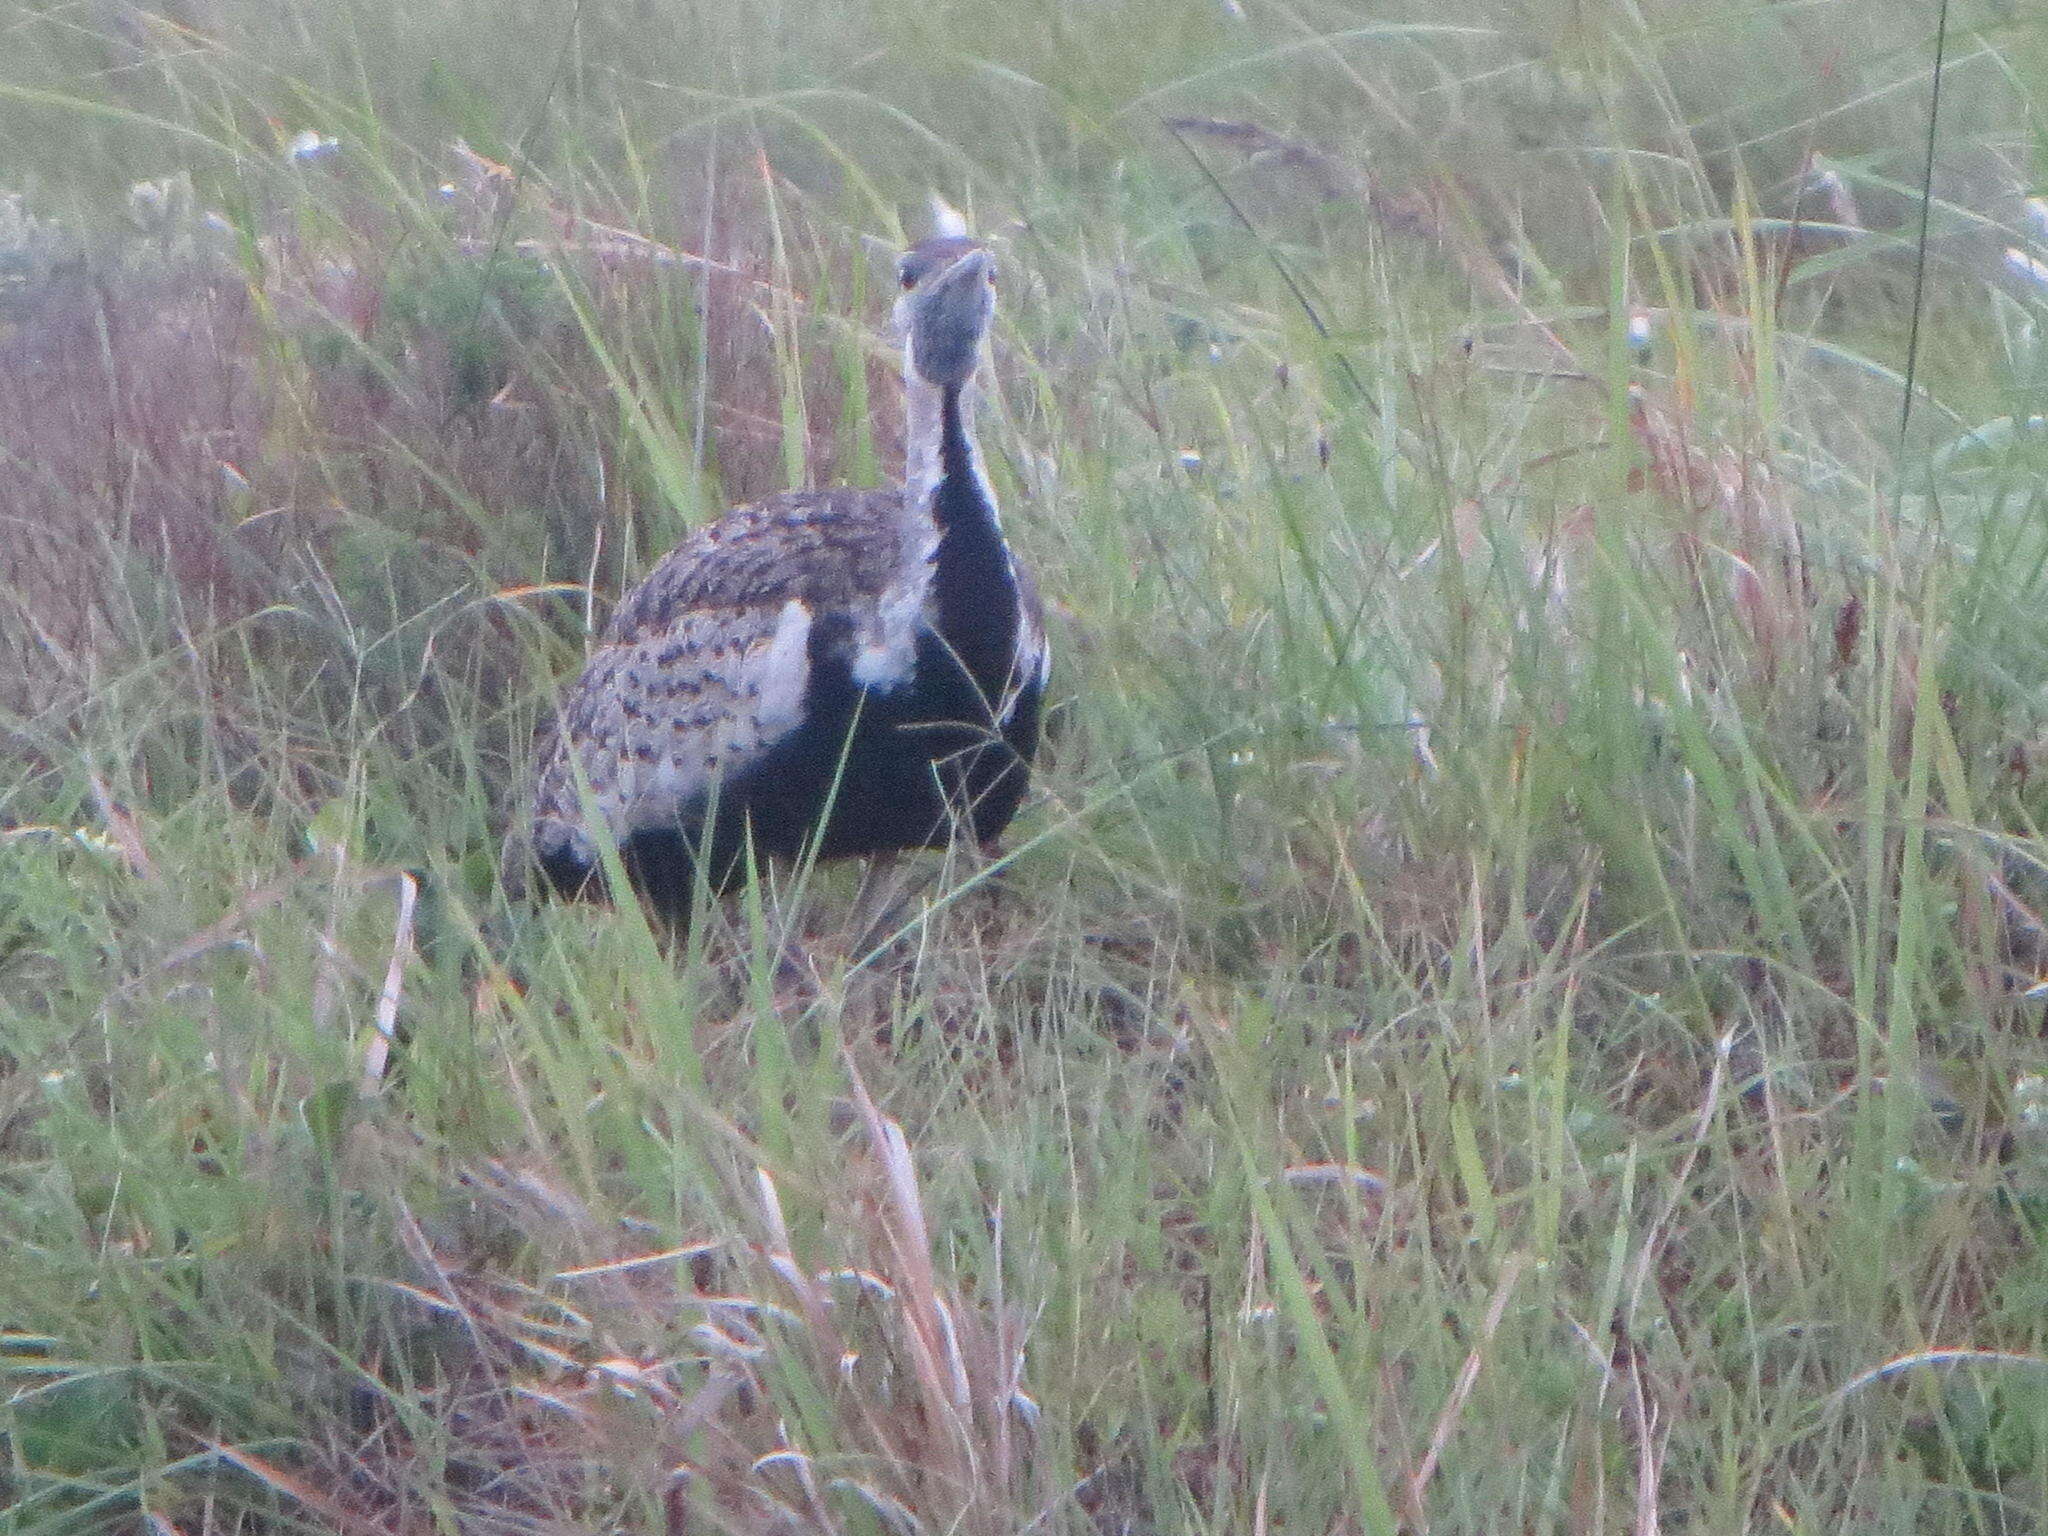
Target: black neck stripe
<point x="956" y="451"/>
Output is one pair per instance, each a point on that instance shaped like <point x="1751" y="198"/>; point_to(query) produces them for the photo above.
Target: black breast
<point x="866" y="771"/>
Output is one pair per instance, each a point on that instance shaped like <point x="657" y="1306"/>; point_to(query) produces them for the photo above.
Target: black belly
<point x="866" y="772"/>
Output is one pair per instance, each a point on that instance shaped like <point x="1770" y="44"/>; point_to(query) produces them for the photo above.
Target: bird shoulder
<point x="830" y="550"/>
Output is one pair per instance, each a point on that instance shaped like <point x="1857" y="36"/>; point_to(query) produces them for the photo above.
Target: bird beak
<point x="952" y="317"/>
<point x="973" y="267"/>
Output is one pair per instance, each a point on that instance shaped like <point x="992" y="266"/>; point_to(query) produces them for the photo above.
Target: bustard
<point x="859" y="670"/>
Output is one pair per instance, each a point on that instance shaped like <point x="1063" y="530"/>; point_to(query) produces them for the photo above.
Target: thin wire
<point x="1926" y="209"/>
<point x="505" y="204"/>
<point x="1293" y="285"/>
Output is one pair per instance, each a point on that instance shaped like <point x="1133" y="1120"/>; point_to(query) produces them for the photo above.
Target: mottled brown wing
<point x="829" y="549"/>
<point x="704" y="665"/>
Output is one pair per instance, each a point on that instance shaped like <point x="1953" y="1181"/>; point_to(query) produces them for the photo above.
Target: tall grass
<point x="1514" y="1007"/>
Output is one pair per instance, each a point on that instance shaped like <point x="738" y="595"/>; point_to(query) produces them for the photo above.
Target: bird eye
<point x="907" y="277"/>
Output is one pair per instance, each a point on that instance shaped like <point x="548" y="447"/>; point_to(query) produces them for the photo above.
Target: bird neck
<point x="943" y="472"/>
<point x="973" y="594"/>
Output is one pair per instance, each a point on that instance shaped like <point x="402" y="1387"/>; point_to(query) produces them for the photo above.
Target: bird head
<point x="949" y="296"/>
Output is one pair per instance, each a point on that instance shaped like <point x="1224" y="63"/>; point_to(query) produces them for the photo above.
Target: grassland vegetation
<point x="1517" y="1001"/>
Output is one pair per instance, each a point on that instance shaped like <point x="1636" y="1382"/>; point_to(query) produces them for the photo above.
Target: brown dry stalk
<point x="296" y="1489"/>
<point x="1734" y="507"/>
<point x="378" y="1054"/>
<point x="1461" y="1390"/>
<point x="123" y="828"/>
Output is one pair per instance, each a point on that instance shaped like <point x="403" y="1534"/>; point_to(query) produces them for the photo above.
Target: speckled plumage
<point x="856" y="669"/>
